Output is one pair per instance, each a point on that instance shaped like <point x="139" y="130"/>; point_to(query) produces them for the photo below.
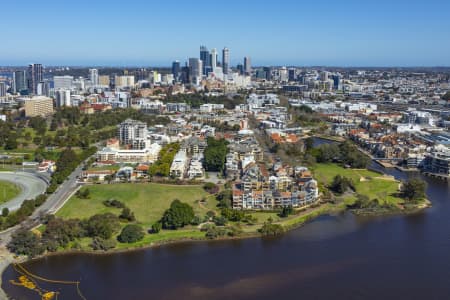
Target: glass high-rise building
<point x="20" y="81"/>
<point x="213" y="58"/>
<point x="247" y="66"/>
<point x="176" y="69"/>
<point x="34" y="77"/>
<point x="206" y="60"/>
<point x="225" y="60"/>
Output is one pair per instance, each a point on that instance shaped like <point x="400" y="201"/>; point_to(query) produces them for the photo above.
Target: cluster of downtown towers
<point x="28" y="81"/>
<point x="208" y="63"/>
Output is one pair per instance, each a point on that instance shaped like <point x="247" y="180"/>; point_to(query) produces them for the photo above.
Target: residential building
<point x="93" y="76"/>
<point x="133" y="133"/>
<point x="38" y="106"/>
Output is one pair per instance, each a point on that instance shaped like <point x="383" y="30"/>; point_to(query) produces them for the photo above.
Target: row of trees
<point x="162" y="166"/>
<point x="215" y="154"/>
<point x="69" y="128"/>
<point x="346" y="153"/>
<point x="10" y="219"/>
<point x="59" y="233"/>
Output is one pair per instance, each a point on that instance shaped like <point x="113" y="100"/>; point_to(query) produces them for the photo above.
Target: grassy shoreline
<point x="149" y="201"/>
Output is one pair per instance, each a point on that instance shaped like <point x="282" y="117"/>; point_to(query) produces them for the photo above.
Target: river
<point x="332" y="257"/>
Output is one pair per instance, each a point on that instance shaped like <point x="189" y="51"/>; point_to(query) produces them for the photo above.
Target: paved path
<point x="31" y="186"/>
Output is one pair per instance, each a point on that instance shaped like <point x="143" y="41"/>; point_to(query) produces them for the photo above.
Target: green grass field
<point x="147" y="201"/>
<point x="8" y="191"/>
<point x="369" y="183"/>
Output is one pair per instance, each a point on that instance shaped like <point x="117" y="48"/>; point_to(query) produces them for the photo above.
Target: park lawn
<point x="148" y="201"/>
<point x="162" y="237"/>
<point x="263" y="216"/>
<point x="8" y="191"/>
<point x="375" y="186"/>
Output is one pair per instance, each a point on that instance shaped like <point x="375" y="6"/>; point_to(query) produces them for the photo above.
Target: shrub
<point x="156" y="227"/>
<point x="102" y="244"/>
<point x="131" y="234"/>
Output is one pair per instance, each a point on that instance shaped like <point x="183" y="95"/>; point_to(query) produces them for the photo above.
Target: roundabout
<point x="29" y="184"/>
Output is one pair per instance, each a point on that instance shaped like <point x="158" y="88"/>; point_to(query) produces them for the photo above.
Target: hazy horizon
<point x="286" y="32"/>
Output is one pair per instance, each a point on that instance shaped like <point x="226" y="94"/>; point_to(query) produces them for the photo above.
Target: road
<point x="31" y="186"/>
<point x="52" y="204"/>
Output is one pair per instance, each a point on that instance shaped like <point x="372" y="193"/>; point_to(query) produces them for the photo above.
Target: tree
<point x="446" y="96"/>
<point x="286" y="211"/>
<point x="414" y="189"/>
<point x="102" y="244"/>
<point x="127" y="215"/>
<point x="270" y="229"/>
<point x="178" y="215"/>
<point x="5" y="212"/>
<point x="309" y="143"/>
<point x="215" y="154"/>
<point x="25" y="242"/>
<point x="102" y="225"/>
<point x="156" y="227"/>
<point x="131" y="233"/>
<point x="341" y="184"/>
<point x="83" y="193"/>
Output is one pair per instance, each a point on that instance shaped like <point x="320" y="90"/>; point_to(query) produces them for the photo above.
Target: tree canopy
<point x="178" y="215"/>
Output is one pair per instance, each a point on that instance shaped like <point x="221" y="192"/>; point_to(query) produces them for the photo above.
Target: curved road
<point x="31" y="186"/>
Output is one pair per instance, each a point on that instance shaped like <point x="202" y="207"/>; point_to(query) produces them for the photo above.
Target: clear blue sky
<point x="281" y="32"/>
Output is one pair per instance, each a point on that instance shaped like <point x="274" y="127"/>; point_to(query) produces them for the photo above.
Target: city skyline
<point x="283" y="33"/>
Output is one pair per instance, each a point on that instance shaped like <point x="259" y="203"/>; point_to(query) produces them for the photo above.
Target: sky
<point x="281" y="32"/>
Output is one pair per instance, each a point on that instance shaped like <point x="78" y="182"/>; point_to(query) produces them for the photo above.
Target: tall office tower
<point x="2" y="89"/>
<point x="225" y="60"/>
<point x="247" y="66"/>
<point x="93" y="75"/>
<point x="63" y="98"/>
<point x="19" y="81"/>
<point x="268" y="73"/>
<point x="133" y="133"/>
<point x="34" y="76"/>
<point x="214" y="58"/>
<point x="184" y="74"/>
<point x="292" y="76"/>
<point x="63" y="82"/>
<point x="206" y="60"/>
<point x="283" y="74"/>
<point x="176" y="69"/>
<point x="336" y="81"/>
<point x="324" y="76"/>
<point x="240" y="68"/>
<point x="195" y="70"/>
<point x="43" y="88"/>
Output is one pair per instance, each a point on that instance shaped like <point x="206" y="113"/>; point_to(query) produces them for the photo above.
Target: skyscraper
<point x="93" y="75"/>
<point x="247" y="66"/>
<point x="19" y="81"/>
<point x="2" y="89"/>
<point x="195" y="70"/>
<point x="213" y="58"/>
<point x="206" y="60"/>
<point x="176" y="69"/>
<point x="34" y="77"/>
<point x="225" y="60"/>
